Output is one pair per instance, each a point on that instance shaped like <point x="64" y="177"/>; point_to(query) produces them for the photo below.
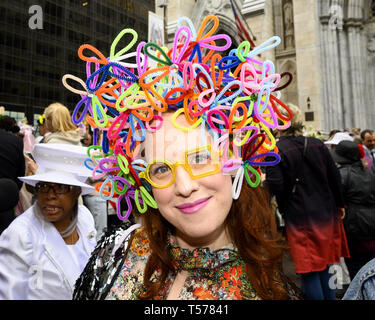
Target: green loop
<point x="133" y="90"/>
<point x="125" y="188"/>
<point x="112" y="54"/>
<point x="167" y="61"/>
<point x="149" y="199"/>
<point x="96" y="103"/>
<point x="136" y="198"/>
<point x="123" y="163"/>
<point x="241" y="56"/>
<point x="248" y="179"/>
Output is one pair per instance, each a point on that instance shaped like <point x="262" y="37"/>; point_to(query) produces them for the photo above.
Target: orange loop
<point x="102" y="60"/>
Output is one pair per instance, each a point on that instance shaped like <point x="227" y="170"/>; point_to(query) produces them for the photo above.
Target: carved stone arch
<point x="222" y="9"/>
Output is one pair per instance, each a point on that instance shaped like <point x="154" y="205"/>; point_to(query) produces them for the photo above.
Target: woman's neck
<point x="218" y="239"/>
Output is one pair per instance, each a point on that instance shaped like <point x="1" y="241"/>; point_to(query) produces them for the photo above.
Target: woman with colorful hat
<point x="182" y="131"/>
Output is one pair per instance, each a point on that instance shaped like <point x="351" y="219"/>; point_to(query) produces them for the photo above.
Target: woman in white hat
<point x="45" y="249"/>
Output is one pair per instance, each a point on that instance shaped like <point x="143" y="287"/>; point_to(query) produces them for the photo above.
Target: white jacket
<point x="35" y="262"/>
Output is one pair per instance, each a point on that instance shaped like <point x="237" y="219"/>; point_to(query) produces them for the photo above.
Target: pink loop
<point x="204" y="43"/>
<point x="272" y="114"/>
<point x="141" y="69"/>
<point x="246" y="84"/>
<point x="210" y="119"/>
<point x="277" y="78"/>
<point x="201" y="110"/>
<point x="99" y="176"/>
<point x="188" y="70"/>
<point x="157" y="117"/>
<point x="175" y="42"/>
<point x="210" y="101"/>
<point x="123" y="118"/>
<point x="231" y="164"/>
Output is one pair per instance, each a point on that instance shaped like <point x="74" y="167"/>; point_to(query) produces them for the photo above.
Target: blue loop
<point x="143" y="130"/>
<point x="108" y="179"/>
<point x="132" y="77"/>
<point x="101" y="80"/>
<point x="105" y="143"/>
<point x="196" y="49"/>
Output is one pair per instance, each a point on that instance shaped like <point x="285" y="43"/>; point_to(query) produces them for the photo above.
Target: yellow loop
<point x="192" y="127"/>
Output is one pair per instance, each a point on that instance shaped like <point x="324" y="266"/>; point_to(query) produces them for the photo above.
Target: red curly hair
<point x="253" y="230"/>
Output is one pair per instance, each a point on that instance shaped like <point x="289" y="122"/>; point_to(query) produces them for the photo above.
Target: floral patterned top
<point x="218" y="274"/>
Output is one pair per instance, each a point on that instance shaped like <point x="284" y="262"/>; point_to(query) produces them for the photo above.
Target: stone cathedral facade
<point x="328" y="46"/>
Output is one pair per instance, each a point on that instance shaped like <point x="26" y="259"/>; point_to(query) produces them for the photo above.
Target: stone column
<point x="309" y="81"/>
<point x="354" y="25"/>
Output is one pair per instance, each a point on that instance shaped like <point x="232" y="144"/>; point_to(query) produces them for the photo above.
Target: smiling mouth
<point x="50" y="209"/>
<point x="192" y="207"/>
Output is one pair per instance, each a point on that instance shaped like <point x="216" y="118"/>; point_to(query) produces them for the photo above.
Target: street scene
<point x="187" y="150"/>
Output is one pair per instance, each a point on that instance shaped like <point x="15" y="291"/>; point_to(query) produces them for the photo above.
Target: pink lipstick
<point x="192" y="207"/>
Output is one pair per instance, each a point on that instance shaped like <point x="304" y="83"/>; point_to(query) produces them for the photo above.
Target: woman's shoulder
<point x="85" y="214"/>
<point x="70" y="137"/>
<point x="21" y="233"/>
<point x="23" y="222"/>
<point x="129" y="283"/>
<point x="106" y="262"/>
<point x="362" y="287"/>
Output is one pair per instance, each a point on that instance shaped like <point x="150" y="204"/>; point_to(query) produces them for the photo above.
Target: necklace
<point x="71" y="239"/>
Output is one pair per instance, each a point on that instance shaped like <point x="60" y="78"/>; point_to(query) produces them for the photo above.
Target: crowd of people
<point x="325" y="191"/>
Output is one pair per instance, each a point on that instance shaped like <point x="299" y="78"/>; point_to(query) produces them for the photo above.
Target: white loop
<point x="237" y="183"/>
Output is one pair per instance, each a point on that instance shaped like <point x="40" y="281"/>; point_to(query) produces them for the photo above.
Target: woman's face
<point x="57" y="208"/>
<point x="197" y="208"/>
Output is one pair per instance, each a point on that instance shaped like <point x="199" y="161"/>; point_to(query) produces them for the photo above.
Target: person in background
<point x="42" y="128"/>
<point x="9" y="196"/>
<point x="59" y="123"/>
<point x="336" y="139"/>
<point x="307" y="186"/>
<point x="362" y="287"/>
<point x="359" y="195"/>
<point x="12" y="161"/>
<point x="368" y="142"/>
<point x="332" y="133"/>
<point x="44" y="250"/>
<point x="356" y="133"/>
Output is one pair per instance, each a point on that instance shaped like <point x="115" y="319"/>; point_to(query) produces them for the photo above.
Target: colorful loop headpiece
<point x="236" y="97"/>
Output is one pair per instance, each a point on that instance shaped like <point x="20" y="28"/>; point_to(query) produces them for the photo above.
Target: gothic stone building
<point x="328" y="45"/>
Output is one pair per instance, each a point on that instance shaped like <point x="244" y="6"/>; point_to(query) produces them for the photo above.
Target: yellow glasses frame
<point x="146" y="174"/>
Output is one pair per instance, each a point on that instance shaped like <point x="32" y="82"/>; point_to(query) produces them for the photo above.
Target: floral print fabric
<point x="218" y="274"/>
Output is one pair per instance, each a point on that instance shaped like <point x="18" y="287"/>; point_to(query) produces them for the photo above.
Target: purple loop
<point x="129" y="205"/>
<point x="122" y="180"/>
<point x="264" y="164"/>
<point x="105" y="160"/>
<point x="87" y="102"/>
<point x="94" y="81"/>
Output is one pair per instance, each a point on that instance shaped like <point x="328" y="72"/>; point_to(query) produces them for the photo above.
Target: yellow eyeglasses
<point x="200" y="162"/>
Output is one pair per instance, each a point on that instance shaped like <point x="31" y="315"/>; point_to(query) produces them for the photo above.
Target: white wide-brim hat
<point x="61" y="177"/>
<point x="60" y="163"/>
<point x="338" y="137"/>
